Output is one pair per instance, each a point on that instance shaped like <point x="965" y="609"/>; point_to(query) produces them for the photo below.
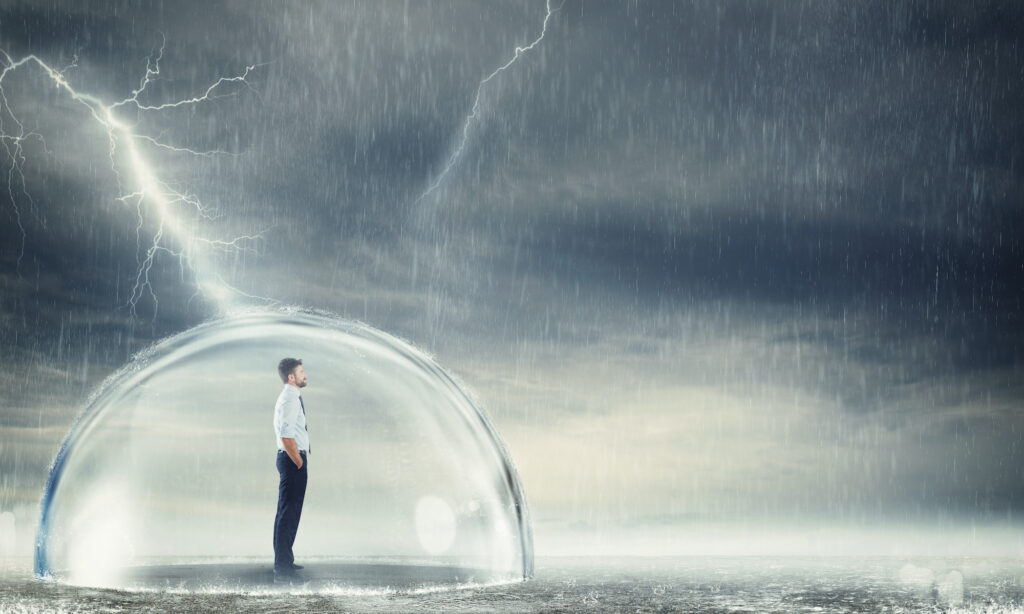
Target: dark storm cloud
<point x="864" y="172"/>
<point x="835" y="158"/>
<point x="316" y="143"/>
<point x="743" y="226"/>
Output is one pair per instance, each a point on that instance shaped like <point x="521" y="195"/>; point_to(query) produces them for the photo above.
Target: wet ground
<point x="700" y="584"/>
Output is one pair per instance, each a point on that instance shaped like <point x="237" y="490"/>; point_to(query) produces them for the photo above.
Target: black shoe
<point x="297" y="567"/>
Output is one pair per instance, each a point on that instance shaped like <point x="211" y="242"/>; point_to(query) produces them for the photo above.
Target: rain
<point x="736" y="286"/>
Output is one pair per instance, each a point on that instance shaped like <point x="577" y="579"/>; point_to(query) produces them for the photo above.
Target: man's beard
<point x="301" y="384"/>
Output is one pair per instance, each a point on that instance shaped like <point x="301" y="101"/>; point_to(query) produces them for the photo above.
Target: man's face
<point x="298" y="377"/>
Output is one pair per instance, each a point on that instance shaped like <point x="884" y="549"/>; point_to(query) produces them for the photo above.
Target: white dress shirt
<point x="289" y="419"/>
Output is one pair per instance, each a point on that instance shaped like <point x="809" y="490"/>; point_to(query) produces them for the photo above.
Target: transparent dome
<point x="168" y="478"/>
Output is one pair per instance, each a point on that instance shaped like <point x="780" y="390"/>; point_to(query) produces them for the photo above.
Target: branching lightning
<point x="155" y="201"/>
<point x="475" y="110"/>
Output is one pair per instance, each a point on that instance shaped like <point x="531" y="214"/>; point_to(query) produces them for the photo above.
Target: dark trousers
<point x="290" y="494"/>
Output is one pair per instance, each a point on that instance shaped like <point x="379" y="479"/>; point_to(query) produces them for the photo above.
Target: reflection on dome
<point x="171" y="466"/>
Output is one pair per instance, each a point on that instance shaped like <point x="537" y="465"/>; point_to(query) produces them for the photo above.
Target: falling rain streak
<point x="738" y="284"/>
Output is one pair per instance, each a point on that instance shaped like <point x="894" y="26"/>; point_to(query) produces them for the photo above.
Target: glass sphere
<point x="171" y="467"/>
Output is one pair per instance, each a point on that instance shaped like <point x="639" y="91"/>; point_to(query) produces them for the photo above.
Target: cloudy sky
<point x="749" y="264"/>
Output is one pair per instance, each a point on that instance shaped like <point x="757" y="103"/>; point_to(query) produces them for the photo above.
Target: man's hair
<point x="286" y="367"/>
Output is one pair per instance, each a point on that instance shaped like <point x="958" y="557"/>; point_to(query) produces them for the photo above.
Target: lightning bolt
<point x="474" y="113"/>
<point x="173" y="211"/>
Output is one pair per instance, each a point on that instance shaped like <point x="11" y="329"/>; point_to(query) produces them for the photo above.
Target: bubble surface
<point x="173" y="461"/>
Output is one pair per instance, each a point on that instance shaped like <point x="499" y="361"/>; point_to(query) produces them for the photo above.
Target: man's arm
<point x="292" y="450"/>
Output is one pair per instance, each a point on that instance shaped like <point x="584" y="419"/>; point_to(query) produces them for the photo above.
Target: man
<point x="292" y="450"/>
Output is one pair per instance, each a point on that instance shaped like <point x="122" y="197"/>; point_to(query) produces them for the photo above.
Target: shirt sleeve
<point x="289" y="419"/>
